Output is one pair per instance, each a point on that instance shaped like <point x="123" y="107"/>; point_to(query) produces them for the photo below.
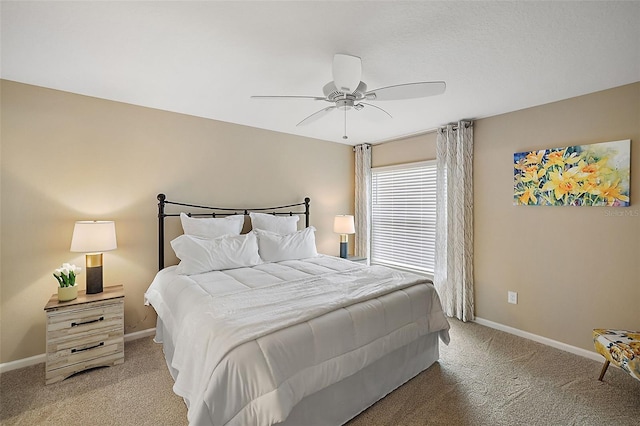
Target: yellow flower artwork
<point x="582" y="175"/>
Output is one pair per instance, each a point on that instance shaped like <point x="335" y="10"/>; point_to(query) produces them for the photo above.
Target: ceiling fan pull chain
<point x="345" y="125"/>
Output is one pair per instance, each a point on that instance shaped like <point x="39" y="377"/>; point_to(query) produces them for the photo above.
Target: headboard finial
<point x="162" y="197"/>
<point x="307" y="200"/>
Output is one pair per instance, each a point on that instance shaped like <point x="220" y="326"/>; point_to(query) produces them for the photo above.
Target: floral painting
<point x="584" y="175"/>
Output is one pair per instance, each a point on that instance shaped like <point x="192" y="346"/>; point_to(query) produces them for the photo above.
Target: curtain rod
<point x="364" y="145"/>
<point x="454" y="126"/>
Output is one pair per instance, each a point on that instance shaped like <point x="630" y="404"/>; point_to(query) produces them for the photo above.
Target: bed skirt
<point x="342" y="401"/>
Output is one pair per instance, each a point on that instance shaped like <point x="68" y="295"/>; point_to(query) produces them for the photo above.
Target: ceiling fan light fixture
<point x="347" y="71"/>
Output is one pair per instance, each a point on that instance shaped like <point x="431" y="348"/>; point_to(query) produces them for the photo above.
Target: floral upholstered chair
<point x="620" y="347"/>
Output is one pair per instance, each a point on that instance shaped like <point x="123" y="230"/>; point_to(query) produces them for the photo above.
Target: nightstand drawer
<point x="70" y="352"/>
<point x="71" y="323"/>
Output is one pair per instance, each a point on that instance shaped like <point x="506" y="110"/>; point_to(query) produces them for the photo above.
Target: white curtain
<point x="453" y="275"/>
<point x="363" y="201"/>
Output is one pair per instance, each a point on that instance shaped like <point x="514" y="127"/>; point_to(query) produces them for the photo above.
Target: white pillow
<point x="212" y="227"/>
<point x="198" y="255"/>
<point x="276" y="247"/>
<point x="278" y="224"/>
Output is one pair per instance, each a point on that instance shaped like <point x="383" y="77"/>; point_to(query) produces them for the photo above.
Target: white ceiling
<point x="207" y="58"/>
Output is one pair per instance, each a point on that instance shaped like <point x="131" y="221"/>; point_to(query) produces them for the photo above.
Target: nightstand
<point x="84" y="333"/>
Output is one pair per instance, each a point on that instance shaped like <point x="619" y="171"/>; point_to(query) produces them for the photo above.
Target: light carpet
<point x="484" y="377"/>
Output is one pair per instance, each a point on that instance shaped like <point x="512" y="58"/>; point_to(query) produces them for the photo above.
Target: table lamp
<point x="93" y="237"/>
<point x="343" y="225"/>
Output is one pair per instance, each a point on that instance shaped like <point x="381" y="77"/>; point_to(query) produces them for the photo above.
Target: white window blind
<point x="403" y="216"/>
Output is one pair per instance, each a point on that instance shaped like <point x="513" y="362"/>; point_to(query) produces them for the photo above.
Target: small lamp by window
<point x="343" y="224"/>
<point x="93" y="238"/>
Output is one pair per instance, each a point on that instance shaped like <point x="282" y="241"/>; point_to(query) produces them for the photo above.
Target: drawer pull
<point x="73" y="351"/>
<point x="75" y="324"/>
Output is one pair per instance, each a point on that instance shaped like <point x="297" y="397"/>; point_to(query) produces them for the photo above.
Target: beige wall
<point x="574" y="269"/>
<point x="67" y="157"/>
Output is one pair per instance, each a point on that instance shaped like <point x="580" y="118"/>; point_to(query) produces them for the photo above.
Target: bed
<point x="259" y="329"/>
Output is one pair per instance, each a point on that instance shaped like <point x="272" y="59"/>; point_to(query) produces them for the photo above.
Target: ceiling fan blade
<point x="316" y="98"/>
<point x="347" y="71"/>
<point x="375" y="106"/>
<point x="315" y="116"/>
<point x="407" y="91"/>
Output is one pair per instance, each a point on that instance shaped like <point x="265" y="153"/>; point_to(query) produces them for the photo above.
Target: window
<point x="403" y="216"/>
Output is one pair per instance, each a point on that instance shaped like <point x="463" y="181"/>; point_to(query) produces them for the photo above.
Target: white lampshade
<point x="94" y="236"/>
<point x="343" y="224"/>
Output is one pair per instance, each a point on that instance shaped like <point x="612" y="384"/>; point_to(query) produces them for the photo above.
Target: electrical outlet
<point x="512" y="297"/>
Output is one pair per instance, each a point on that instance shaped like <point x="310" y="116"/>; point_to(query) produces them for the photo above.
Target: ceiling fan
<point x="346" y="91"/>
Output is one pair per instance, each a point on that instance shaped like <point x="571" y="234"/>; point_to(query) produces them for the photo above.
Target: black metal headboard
<point x="220" y="212"/>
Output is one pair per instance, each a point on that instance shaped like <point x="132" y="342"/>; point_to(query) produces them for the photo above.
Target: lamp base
<point x="94" y="280"/>
<point x="343" y="250"/>
<point x="94" y="273"/>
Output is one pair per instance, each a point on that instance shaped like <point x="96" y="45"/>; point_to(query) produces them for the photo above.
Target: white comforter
<point x="250" y="343"/>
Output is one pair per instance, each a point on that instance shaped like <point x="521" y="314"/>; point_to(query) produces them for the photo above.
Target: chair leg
<point x="604" y="369"/>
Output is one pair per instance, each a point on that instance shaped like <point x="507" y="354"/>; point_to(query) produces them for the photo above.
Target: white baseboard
<point x="139" y="334"/>
<point x="549" y="342"/>
<point x="21" y="363"/>
<point x="38" y="359"/>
